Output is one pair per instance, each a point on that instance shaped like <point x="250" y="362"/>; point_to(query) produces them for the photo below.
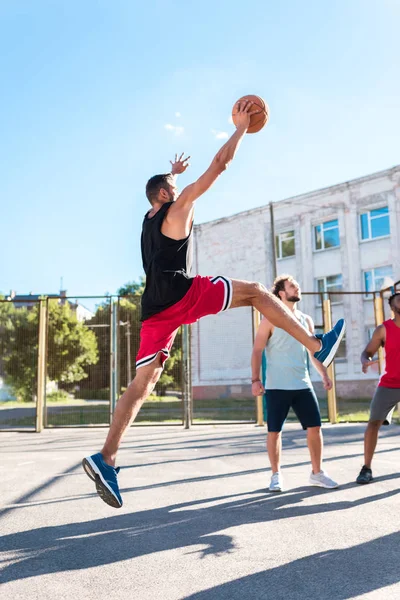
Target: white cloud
<point x="176" y="129"/>
<point x="219" y="135"/>
<point x="177" y="114"/>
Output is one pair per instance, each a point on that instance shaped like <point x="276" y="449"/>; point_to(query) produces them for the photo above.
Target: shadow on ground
<point x="77" y="546"/>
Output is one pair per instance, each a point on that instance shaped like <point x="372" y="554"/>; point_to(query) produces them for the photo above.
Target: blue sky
<point x="88" y="88"/>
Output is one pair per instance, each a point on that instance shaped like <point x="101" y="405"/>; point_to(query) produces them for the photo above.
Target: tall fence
<point x="63" y="365"/>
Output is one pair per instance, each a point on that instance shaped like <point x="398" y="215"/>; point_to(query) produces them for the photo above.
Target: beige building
<point x="338" y="239"/>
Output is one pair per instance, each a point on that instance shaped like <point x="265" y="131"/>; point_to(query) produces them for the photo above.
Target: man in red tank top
<point x="387" y="394"/>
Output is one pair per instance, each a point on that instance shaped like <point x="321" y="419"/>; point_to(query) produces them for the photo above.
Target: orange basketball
<point x="258" y="120"/>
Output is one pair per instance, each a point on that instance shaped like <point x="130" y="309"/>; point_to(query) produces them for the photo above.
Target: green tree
<point x="132" y="288"/>
<point x="71" y="347"/>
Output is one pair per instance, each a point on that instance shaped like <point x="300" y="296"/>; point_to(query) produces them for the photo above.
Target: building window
<point x="374" y="279"/>
<point x="326" y="235"/>
<point x="375" y="223"/>
<point x="285" y="244"/>
<point x="334" y="283"/>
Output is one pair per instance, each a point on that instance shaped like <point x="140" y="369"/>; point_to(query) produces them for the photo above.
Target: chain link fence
<point x="63" y="365"/>
<point x="19" y="331"/>
<point x="220" y="356"/>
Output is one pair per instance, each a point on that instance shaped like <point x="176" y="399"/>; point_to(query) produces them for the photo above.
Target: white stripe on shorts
<point x="148" y="359"/>
<point x="228" y="291"/>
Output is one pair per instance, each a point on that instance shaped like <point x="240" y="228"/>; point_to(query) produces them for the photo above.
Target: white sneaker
<point x="276" y="484"/>
<point x="322" y="479"/>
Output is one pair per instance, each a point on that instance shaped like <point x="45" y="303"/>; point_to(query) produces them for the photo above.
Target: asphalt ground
<point x="198" y="521"/>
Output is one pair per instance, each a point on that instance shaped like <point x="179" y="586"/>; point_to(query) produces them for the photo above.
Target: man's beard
<point x="293" y="298"/>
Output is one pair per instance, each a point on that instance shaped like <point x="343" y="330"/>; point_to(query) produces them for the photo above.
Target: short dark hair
<point x="392" y="297"/>
<point x="155" y="184"/>
<point x="279" y="284"/>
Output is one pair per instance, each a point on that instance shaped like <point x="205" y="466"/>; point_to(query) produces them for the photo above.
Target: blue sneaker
<point x="105" y="477"/>
<point x="330" y="343"/>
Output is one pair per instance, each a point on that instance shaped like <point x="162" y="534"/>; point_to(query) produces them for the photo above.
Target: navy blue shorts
<point x="304" y="403"/>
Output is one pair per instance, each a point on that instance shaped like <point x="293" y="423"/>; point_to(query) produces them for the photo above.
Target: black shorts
<point x="304" y="403"/>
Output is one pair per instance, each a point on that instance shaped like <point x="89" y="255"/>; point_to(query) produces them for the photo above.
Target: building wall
<point x="240" y="246"/>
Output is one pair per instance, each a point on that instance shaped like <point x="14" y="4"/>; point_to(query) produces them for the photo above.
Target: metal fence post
<point x="113" y="357"/>
<point x="332" y="404"/>
<point x="256" y="319"/>
<point x="187" y="388"/>
<point x="41" y="367"/>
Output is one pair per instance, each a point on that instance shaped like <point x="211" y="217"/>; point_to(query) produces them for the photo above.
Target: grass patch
<point x="69" y="412"/>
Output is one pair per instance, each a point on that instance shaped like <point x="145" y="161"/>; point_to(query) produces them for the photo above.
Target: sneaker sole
<point x="103" y="489"/>
<point x="364" y="482"/>
<point x="275" y="490"/>
<point x="334" y="348"/>
<point x="322" y="485"/>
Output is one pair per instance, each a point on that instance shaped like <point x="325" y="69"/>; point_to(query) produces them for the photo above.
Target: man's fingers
<point x="176" y="157"/>
<point x="180" y="158"/>
<point x="247" y="106"/>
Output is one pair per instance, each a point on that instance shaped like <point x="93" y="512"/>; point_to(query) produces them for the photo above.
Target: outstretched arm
<point x="179" y="218"/>
<point x="220" y="162"/>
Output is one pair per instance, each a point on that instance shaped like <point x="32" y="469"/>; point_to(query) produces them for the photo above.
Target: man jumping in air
<point x="173" y="298"/>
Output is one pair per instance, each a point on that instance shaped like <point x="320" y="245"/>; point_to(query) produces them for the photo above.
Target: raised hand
<point x="243" y="114"/>
<point x="180" y="164"/>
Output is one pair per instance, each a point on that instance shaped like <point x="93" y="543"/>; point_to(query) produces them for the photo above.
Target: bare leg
<point x="128" y="407"/>
<point x="247" y="293"/>
<point x="370" y="441"/>
<point x="314" y="441"/>
<point x="274" y="447"/>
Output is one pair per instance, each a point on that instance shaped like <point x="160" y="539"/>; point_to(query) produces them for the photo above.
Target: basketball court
<point x="197" y="520"/>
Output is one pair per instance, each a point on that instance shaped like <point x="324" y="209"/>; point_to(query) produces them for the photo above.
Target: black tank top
<point x="167" y="264"/>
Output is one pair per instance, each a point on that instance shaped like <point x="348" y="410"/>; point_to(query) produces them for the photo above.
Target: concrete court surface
<point x="198" y="522"/>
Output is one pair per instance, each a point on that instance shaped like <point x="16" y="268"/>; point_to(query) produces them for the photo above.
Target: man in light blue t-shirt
<point x="288" y="385"/>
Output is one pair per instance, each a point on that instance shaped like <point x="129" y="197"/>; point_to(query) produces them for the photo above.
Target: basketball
<point x="258" y="120"/>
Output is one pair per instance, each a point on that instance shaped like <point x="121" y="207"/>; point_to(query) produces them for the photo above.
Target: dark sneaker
<point x="365" y="475"/>
<point x="330" y="343"/>
<point x="105" y="477"/>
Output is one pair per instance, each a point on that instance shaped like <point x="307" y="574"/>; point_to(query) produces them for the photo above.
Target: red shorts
<point x="206" y="296"/>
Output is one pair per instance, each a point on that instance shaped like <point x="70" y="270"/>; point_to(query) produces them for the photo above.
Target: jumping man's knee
<point x="258" y="288"/>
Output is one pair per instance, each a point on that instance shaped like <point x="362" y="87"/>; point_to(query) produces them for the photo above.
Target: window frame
<point x="321" y="224"/>
<point x="279" y="241"/>
<point x="369" y="294"/>
<point x="370" y="238"/>
<point x="326" y="291"/>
